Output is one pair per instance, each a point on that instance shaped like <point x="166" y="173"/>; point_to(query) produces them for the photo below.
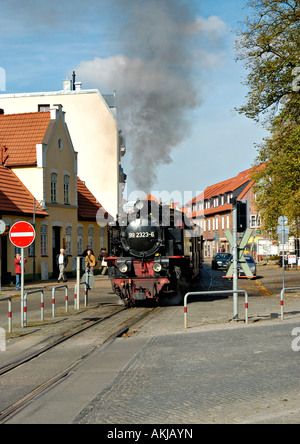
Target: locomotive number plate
<point x="142" y="234"/>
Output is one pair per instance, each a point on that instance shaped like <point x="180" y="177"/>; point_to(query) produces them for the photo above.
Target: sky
<point x="172" y="65"/>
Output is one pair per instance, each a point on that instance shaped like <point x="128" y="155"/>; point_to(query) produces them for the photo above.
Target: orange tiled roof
<point x="20" y="133"/>
<point x="88" y="205"/>
<point x="14" y="196"/>
<point x="226" y="186"/>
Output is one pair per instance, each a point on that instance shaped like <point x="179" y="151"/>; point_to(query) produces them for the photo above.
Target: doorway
<point x="55" y="248"/>
<point x="3" y="249"/>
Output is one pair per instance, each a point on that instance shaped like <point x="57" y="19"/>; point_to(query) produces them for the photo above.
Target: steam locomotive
<point x="154" y="254"/>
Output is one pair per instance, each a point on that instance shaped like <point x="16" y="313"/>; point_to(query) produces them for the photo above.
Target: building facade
<point x="37" y="149"/>
<point x="212" y="211"/>
<point x="92" y="122"/>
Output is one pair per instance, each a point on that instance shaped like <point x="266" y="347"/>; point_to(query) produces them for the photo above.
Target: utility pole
<point x="234" y="257"/>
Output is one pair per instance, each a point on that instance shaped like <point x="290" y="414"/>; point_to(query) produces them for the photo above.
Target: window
<point x="69" y="241"/>
<point x="102" y="238"/>
<point x="60" y="144"/>
<point x="54" y="188"/>
<point x="66" y="190"/>
<point x="254" y="221"/>
<point x="43" y="108"/>
<point x="44" y="233"/>
<point x="91" y="237"/>
<point x="79" y="241"/>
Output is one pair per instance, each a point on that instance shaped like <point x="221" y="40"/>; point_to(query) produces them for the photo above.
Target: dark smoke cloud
<point x="153" y="82"/>
<point x="160" y="47"/>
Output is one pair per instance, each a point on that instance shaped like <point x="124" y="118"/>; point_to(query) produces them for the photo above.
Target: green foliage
<point x="269" y="43"/>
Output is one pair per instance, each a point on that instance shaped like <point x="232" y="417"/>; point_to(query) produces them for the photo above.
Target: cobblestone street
<point x="217" y="371"/>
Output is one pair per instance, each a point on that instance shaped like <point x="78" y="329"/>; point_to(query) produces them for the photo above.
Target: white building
<point x="92" y="122"/>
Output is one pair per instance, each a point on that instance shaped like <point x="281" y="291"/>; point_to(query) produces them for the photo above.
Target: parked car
<point x="250" y="261"/>
<point x="220" y="260"/>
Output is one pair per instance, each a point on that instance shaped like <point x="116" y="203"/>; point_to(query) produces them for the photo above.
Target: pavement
<point x="217" y="370"/>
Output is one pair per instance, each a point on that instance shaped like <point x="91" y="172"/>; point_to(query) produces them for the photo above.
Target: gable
<point x="20" y="133"/>
<point x="14" y="196"/>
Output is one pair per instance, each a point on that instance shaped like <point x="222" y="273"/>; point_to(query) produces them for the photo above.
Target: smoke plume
<point x="153" y="81"/>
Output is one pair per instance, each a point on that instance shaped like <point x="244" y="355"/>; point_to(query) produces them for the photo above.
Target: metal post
<point x="42" y="305"/>
<point x="78" y="282"/>
<point x="9" y="312"/>
<point x="235" y="259"/>
<point x="23" y="308"/>
<point x="66" y="298"/>
<point x="283" y="239"/>
<point x="86" y="289"/>
<point x="53" y="302"/>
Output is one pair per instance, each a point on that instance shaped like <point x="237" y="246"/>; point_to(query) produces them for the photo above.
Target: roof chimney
<point x="78" y="86"/>
<point x="3" y="158"/>
<point x="67" y="84"/>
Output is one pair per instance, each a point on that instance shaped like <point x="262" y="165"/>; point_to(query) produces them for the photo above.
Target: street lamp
<point x="36" y="204"/>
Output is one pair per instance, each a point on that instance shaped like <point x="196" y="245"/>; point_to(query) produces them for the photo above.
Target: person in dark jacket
<point x="62" y="262"/>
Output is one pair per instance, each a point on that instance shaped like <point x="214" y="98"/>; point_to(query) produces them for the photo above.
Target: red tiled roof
<point x="88" y="205"/>
<point x="227" y="186"/>
<point x="20" y="133"/>
<point x="14" y="196"/>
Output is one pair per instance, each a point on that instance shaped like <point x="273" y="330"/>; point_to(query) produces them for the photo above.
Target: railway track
<point x="32" y="375"/>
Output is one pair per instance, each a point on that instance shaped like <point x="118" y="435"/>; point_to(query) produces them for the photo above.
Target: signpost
<point x="22" y="235"/>
<point x="283" y="230"/>
<point x="2" y="230"/>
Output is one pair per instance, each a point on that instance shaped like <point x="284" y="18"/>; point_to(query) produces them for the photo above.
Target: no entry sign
<point x="22" y="234"/>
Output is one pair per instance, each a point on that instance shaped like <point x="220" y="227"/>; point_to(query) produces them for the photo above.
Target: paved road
<point x="226" y="375"/>
<point x="214" y="372"/>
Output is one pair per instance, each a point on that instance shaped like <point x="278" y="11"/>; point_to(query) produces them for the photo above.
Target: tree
<point x="269" y="44"/>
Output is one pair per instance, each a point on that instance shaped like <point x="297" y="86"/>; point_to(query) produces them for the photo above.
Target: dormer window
<point x="43" y="108"/>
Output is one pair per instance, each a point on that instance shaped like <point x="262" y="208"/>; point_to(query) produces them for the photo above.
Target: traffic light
<point x="242" y="219"/>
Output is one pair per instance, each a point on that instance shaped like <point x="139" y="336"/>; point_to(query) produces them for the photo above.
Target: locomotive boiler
<point x="154" y="253"/>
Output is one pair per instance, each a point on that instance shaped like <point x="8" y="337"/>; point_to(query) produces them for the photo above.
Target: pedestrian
<point x="102" y="260"/>
<point x="18" y="263"/>
<point x="90" y="262"/>
<point x="62" y="262"/>
<point x="84" y="254"/>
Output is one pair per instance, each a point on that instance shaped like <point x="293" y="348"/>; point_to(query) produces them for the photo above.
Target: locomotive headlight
<point x="157" y="267"/>
<point x="123" y="268"/>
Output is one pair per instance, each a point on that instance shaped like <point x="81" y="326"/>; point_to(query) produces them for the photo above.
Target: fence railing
<point x="53" y="297"/>
<point x="24" y="306"/>
<point x="201" y="293"/>
<point x="9" y="312"/>
<point x="282" y="298"/>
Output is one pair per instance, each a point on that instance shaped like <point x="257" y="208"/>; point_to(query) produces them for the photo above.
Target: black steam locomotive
<point x="154" y="253"/>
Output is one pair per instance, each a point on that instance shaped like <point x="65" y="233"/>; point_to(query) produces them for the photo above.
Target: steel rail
<point x="13" y="409"/>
